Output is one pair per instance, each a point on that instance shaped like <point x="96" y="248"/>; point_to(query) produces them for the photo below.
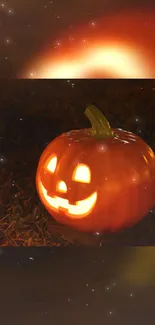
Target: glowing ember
<point x="120" y="46"/>
<point x="118" y="62"/>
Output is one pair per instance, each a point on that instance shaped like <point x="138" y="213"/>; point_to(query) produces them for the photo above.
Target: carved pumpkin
<point x="97" y="179"/>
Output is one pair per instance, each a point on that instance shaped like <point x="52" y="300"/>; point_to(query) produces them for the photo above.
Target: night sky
<point x="57" y="39"/>
<point x="72" y="286"/>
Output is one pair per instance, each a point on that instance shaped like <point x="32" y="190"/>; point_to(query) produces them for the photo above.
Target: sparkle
<point x="107" y="289"/>
<point x="93" y="23"/>
<point x="103" y="148"/>
<point x="110" y="313"/>
<point x="11" y="11"/>
<point x="97" y="233"/>
<point x="58" y="43"/>
<point x="2" y="5"/>
<point x="31" y="74"/>
<point x="8" y="41"/>
<point x="31" y="258"/>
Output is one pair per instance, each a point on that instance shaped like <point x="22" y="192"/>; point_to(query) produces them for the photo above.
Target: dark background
<point x="77" y="285"/>
<point x="37" y="110"/>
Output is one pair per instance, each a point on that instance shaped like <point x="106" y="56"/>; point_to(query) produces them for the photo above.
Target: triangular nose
<point x="62" y="187"/>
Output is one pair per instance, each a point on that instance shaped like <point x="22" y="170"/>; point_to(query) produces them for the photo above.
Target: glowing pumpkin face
<point x="97" y="179"/>
<point x="81" y="174"/>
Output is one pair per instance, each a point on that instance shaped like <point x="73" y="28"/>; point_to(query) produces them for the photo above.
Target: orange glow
<point x="61" y="187"/>
<point x="119" y="46"/>
<point x="82" y="174"/>
<point x="51" y="166"/>
<point x="120" y="61"/>
<point x="80" y="209"/>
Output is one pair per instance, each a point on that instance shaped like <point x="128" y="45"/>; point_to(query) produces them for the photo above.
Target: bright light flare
<point x="121" y="45"/>
<point x="117" y="61"/>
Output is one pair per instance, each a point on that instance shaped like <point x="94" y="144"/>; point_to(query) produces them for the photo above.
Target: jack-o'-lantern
<point x="98" y="178"/>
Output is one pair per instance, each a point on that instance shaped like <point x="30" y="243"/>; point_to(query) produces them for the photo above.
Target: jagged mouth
<point x="80" y="209"/>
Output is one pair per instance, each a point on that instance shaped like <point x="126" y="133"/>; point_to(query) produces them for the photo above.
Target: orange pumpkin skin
<point x="118" y="174"/>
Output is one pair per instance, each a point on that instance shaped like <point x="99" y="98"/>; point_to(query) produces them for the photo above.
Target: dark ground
<point x="77" y="286"/>
<point x="32" y="114"/>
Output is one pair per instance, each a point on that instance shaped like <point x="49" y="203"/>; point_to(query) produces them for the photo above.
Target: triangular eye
<point x="51" y="166"/>
<point x="82" y="174"/>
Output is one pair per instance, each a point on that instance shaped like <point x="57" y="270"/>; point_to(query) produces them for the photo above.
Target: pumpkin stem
<point x="100" y="126"/>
